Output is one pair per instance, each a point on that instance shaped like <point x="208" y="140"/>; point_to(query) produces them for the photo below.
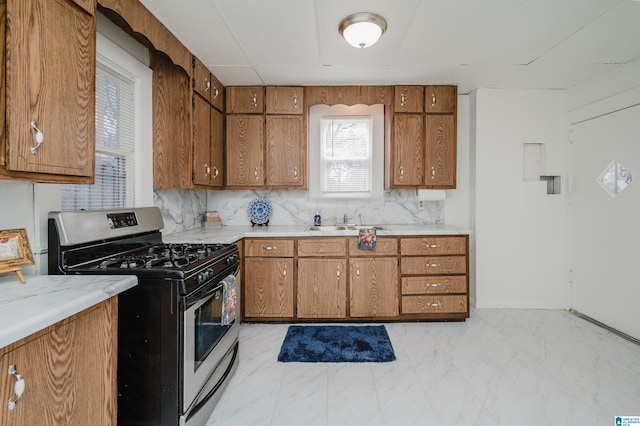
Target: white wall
<point x="519" y="237"/>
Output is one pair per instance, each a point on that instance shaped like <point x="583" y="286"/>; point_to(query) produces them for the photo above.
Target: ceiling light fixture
<point x="362" y="29"/>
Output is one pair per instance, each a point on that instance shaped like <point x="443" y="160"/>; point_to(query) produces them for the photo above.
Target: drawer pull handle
<point x="434" y="305"/>
<point x="401" y="172"/>
<point x="403" y="100"/>
<point x="433" y="265"/>
<point x="431" y="245"/>
<point x="217" y="92"/>
<point x="433" y="99"/>
<point x="433" y="172"/>
<point x="255" y="100"/>
<point x="215" y="170"/>
<point x="284" y="272"/>
<point x="338" y="272"/>
<point x="207" y="86"/>
<point x="357" y="271"/>
<point x="435" y="285"/>
<point x="295" y="102"/>
<point x="255" y="172"/>
<point x="269" y="248"/>
<point x="18" y="387"/>
<point x="295" y="172"/>
<point x="207" y="170"/>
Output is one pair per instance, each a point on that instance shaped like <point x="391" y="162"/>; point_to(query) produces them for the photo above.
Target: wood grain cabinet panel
<point x="284" y="100"/>
<point x="408" y="99"/>
<point x="440" y="151"/>
<point x="268" y="247"/>
<point x="322" y="288"/>
<point x="201" y="141"/>
<point x="433" y="245"/>
<point x="268" y="287"/>
<point x="373" y="287"/>
<point x="434" y="304"/>
<point x="201" y="79"/>
<point x="385" y="246"/>
<point x="286" y="151"/>
<point x="322" y="247"/>
<point x="435" y="265"/>
<point x="244" y="165"/>
<point x="245" y="100"/>
<point x="49" y="85"/>
<point x="408" y="151"/>
<point x="440" y="99"/>
<point x="434" y="284"/>
<point x="69" y="371"/>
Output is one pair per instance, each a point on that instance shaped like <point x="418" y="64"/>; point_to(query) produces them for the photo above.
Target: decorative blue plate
<point x="259" y="211"/>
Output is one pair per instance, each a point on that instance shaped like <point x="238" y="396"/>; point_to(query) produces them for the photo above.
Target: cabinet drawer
<point x="268" y="248"/>
<point x="434" y="265"/>
<point x="440" y="99"/>
<point x="384" y="247"/>
<point x="408" y="99"/>
<point x="433" y="245"/>
<point x="322" y="247"/>
<point x="434" y="284"/>
<point x="284" y="100"/>
<point x="433" y="304"/>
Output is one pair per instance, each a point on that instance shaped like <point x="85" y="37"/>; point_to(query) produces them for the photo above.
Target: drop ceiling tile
<point x="612" y="38"/>
<point x="273" y="33"/>
<point x="291" y="75"/>
<point x="556" y="76"/>
<point x="237" y="76"/>
<point x="355" y="75"/>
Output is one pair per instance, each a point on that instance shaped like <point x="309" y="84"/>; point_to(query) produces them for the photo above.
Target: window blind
<point x="115" y="154"/>
<point x="346" y="155"/>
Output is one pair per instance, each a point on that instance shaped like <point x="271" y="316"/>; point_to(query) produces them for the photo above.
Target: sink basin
<point x="345" y="227"/>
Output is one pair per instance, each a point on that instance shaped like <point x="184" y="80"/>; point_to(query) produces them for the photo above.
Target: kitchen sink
<point x="348" y="227"/>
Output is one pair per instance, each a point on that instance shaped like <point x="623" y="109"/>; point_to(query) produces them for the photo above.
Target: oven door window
<point x="208" y="328"/>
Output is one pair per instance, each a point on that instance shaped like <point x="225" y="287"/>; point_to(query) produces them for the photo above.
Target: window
<point x="346" y="155"/>
<point x="346" y="151"/>
<point x="115" y="155"/>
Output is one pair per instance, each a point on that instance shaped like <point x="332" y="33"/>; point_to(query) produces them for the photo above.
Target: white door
<point x="605" y="230"/>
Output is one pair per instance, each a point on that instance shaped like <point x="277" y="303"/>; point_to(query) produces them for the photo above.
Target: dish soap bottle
<point x="317" y="221"/>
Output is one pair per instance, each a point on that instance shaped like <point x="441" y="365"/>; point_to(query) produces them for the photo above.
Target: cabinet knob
<point x="39" y="138"/>
<point x="18" y="387"/>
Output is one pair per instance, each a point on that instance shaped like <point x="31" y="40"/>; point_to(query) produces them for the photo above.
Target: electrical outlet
<point x="420" y="205"/>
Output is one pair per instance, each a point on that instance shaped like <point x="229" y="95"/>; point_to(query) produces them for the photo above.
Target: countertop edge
<point x="46" y="299"/>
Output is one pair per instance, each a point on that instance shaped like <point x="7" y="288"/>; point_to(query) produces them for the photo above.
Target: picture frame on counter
<point x="15" y="252"/>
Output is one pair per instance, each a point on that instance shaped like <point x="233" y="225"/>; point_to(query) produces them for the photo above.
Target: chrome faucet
<point x="345" y="219"/>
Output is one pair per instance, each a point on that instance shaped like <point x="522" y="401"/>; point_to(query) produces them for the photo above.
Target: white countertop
<point x="230" y="234"/>
<point x="47" y="299"/>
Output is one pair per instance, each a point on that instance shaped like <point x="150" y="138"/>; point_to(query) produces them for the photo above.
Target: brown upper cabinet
<point x="284" y="100"/>
<point x="245" y="100"/>
<point x="207" y="85"/>
<point x="47" y="132"/>
<point x="442" y="99"/>
<point x="408" y="99"/>
<point x="424" y="145"/>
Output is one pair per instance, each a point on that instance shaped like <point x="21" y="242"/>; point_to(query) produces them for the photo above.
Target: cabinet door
<point x="285" y="151"/>
<point x="217" y="148"/>
<point x="201" y="141"/>
<point x="408" y="99"/>
<point x="69" y="373"/>
<point x="441" y="151"/>
<point x="201" y="79"/>
<point x="217" y="93"/>
<point x="245" y="100"/>
<point x="50" y="84"/>
<point x="373" y="284"/>
<point x="322" y="288"/>
<point x="268" y="287"/>
<point x="245" y="164"/>
<point x="408" y="150"/>
<point x="284" y="100"/>
<point x="172" y="128"/>
<point x="440" y="99"/>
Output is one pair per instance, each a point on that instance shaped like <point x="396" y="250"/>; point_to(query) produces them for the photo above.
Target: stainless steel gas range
<point x="177" y="336"/>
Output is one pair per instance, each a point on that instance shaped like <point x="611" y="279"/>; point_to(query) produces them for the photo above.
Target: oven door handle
<point x="203" y="294"/>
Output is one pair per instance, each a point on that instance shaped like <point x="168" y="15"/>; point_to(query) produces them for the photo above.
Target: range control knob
<point x="231" y="259"/>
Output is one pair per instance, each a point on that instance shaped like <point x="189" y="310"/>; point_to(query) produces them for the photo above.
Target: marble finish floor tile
<point x="500" y="367"/>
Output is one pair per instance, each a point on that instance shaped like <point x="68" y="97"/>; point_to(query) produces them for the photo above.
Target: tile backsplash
<point x="297" y="208"/>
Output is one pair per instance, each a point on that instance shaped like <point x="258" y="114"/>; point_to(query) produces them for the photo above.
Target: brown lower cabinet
<point x="69" y="371"/>
<point x="318" y="278"/>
